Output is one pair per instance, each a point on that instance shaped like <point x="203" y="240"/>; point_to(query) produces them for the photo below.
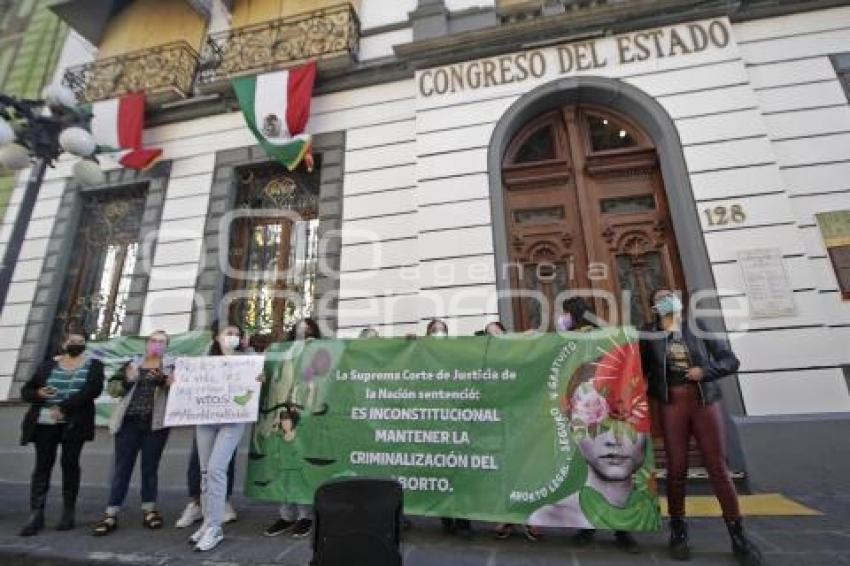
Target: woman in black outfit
<point x="682" y="363"/>
<point x="61" y="395"/>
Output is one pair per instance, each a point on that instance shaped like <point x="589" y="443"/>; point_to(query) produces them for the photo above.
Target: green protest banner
<point x="544" y="429"/>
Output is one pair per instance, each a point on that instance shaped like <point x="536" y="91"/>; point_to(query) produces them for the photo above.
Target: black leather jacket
<point x="714" y="357"/>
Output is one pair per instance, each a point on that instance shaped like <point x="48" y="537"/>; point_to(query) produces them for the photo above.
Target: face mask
<point x="668" y="305"/>
<point x="439" y="334"/>
<point x="75" y="350"/>
<point x="564" y="322"/>
<point x="230" y="342"/>
<point x="156" y="349"/>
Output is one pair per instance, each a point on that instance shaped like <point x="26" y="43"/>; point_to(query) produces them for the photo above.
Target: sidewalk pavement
<point x="793" y="541"/>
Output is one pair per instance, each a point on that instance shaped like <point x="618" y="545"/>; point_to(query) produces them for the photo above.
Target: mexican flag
<point x="276" y="107"/>
<point x="117" y="126"/>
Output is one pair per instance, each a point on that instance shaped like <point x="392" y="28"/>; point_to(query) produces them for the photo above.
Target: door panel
<point x="586" y="210"/>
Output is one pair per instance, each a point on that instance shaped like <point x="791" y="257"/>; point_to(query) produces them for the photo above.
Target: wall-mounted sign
<point x="767" y="284"/>
<point x="835" y="228"/>
<point x="561" y="60"/>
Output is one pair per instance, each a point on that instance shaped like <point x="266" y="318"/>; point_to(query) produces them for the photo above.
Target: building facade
<point x="475" y="160"/>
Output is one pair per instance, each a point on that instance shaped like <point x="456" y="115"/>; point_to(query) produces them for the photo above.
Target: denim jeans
<point x="193" y="474"/>
<point x="295" y="511"/>
<point x="216" y="444"/>
<point x="136" y="436"/>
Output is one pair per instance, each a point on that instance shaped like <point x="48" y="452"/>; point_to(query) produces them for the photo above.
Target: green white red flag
<point x="117" y="126"/>
<point x="276" y="107"/>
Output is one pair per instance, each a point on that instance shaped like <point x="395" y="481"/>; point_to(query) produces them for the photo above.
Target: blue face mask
<point x="668" y="305"/>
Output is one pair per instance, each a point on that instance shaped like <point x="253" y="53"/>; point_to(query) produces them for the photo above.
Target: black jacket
<point x="714" y="357"/>
<point x="78" y="409"/>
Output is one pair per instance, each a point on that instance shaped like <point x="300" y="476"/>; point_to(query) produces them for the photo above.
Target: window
<point x="102" y="264"/>
<point x="543" y="215"/>
<point x="607" y="134"/>
<point x="277" y="253"/>
<point x="539" y="146"/>
<point x="841" y="62"/>
<point x="627" y="205"/>
<point x="639" y="275"/>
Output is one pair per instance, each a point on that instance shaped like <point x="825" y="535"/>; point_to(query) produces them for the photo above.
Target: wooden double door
<point x="587" y="214"/>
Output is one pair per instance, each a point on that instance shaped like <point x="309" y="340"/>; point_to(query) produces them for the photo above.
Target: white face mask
<point x="439" y="334"/>
<point x="230" y="342"/>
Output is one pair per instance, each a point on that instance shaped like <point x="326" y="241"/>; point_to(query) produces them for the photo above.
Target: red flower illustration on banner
<point x="619" y="379"/>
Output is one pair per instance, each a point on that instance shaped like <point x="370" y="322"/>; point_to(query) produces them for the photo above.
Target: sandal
<point x="532" y="533"/>
<point x="152" y="520"/>
<point x="503" y="531"/>
<point x="105" y="526"/>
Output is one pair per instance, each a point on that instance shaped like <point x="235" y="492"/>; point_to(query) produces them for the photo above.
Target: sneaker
<point x="198" y="535"/>
<point x="229" y="513"/>
<point x="278" y="528"/>
<point x="302" y="528"/>
<point x="191" y="515"/>
<point x="210" y="540"/>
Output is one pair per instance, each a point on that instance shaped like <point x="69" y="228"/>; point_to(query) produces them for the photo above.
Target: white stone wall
<point x="807" y="116"/>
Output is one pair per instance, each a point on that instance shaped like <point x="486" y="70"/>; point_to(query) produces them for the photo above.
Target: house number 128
<point x="722" y="215"/>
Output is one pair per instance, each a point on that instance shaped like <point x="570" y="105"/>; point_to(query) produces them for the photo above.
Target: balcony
<point x="165" y="73"/>
<point x="329" y="35"/>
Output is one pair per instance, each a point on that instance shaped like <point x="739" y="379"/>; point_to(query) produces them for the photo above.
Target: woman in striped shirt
<point x="61" y="394"/>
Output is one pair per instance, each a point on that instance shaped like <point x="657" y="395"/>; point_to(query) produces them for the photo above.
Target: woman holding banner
<point x="193" y="512"/>
<point x="137" y="423"/>
<point x="216" y="445"/>
<point x="295" y="518"/>
<point x="505" y="530"/>
<point x="614" y="449"/>
<point x="438" y="328"/>
<point x="682" y="363"/>
<point x="61" y="396"/>
<point x="579" y="317"/>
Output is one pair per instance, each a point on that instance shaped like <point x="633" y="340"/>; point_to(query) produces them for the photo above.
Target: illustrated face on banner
<point x="614" y="450"/>
<point x="608" y="414"/>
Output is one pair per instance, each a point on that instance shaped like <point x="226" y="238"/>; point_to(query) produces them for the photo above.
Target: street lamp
<point x="33" y="133"/>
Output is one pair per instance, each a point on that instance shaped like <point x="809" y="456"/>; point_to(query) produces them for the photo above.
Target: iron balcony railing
<point x="330" y="35"/>
<point x="166" y="73"/>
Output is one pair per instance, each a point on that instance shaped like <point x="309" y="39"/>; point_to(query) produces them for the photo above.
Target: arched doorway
<point x="648" y="118"/>
<point x="586" y="211"/>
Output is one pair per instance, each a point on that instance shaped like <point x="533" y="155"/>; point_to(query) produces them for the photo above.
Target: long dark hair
<point x="215" y="347"/>
<point x="496" y="323"/>
<point x="580" y="311"/>
<point x="434" y="322"/>
<point x="312" y="330"/>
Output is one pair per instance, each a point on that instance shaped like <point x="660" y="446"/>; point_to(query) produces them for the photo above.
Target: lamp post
<point x="34" y="133"/>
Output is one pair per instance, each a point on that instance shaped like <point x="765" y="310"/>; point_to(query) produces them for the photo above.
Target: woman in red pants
<point x="682" y="363"/>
